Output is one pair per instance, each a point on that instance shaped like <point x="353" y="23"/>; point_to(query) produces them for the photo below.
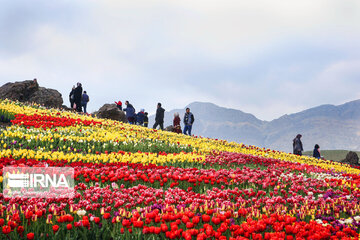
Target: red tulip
<point x="69" y="226"/>
<point x="30" y="236"/>
<point x="55" y="228"/>
<point x="205" y="218"/>
<point x="6" y="229"/>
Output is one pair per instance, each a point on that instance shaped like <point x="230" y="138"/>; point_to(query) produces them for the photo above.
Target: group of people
<point x="141" y="118"/>
<point x="298" y="147"/>
<point x="78" y="98"/>
<point x="188" y="120"/>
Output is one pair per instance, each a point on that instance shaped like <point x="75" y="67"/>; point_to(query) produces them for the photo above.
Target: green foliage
<point x="6" y="116"/>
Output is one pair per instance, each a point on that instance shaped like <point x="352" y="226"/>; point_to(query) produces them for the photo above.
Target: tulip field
<point x="133" y="182"/>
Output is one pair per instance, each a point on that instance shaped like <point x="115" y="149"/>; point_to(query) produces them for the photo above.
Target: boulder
<point x="66" y="108"/>
<point x="111" y="111"/>
<point x="20" y="91"/>
<point x="29" y="91"/>
<point x="47" y="97"/>
<point x="351" y="158"/>
<point x="169" y="128"/>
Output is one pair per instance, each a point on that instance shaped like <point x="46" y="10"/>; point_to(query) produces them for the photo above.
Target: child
<point x="146" y="120"/>
<point x="316" y="152"/>
<point x="176" y="123"/>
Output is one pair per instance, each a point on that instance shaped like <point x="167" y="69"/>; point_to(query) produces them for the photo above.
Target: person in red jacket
<point x="119" y="105"/>
<point x="176" y="123"/>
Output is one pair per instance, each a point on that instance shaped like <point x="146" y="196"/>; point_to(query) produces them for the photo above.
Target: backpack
<point x="85" y="98"/>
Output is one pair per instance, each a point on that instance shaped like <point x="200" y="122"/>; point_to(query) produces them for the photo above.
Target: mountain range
<point x="330" y="126"/>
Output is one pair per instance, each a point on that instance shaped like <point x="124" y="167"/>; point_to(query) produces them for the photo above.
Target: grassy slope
<point x="335" y="155"/>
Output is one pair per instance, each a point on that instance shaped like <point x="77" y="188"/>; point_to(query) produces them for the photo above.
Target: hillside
<point x="122" y="181"/>
<point x="335" y="155"/>
<point x="332" y="127"/>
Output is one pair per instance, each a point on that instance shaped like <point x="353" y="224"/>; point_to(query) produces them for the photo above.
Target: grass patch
<point x="335" y="155"/>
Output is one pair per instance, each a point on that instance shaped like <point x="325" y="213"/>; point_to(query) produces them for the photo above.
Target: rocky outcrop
<point x="20" y="91"/>
<point x="47" y="97"/>
<point x="111" y="111"/>
<point x="169" y="128"/>
<point x="29" y="91"/>
<point x="351" y="158"/>
<point x="66" y="108"/>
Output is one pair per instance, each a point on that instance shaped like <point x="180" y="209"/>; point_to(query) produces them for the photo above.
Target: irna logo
<point x="38" y="182"/>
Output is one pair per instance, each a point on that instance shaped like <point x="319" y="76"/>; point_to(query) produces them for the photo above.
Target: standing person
<point x="146" y="119"/>
<point x="316" y="152"/>
<point x="119" y="105"/>
<point x="159" y="117"/>
<point x="188" y="121"/>
<point x="140" y="117"/>
<point x="176" y="123"/>
<point x="130" y="112"/>
<point x="85" y="99"/>
<point x="297" y="145"/>
<point x="72" y="97"/>
<point x="77" y="96"/>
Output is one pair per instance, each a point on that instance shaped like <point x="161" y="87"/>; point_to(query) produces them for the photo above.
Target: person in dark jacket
<point x="146" y="119"/>
<point x="159" y="117"/>
<point x="297" y="145"/>
<point x="188" y="121"/>
<point x="316" y="152"/>
<point x="78" y="96"/>
<point x="72" y="97"/>
<point x="84" y="101"/>
<point x="130" y="113"/>
<point x="176" y="123"/>
<point x="140" y="117"/>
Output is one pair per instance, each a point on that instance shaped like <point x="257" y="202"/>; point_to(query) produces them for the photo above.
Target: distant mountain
<point x="332" y="127"/>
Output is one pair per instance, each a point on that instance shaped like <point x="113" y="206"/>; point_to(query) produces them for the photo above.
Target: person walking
<point x="130" y="112"/>
<point x="176" y="123"/>
<point x="188" y="121"/>
<point x="77" y="96"/>
<point x="72" y="97"/>
<point x="119" y="105"/>
<point x="85" y="99"/>
<point x="159" y="117"/>
<point x="140" y="117"/>
<point x="146" y="119"/>
<point x="297" y="145"/>
<point x="316" y="152"/>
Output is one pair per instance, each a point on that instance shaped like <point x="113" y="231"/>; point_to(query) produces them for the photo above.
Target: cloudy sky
<point x="264" y="57"/>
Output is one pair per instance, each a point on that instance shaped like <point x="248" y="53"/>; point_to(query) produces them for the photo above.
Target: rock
<point x="169" y="128"/>
<point x="47" y="97"/>
<point x="20" y="91"/>
<point x="66" y="108"/>
<point x="29" y="91"/>
<point x="111" y="111"/>
<point x="351" y="158"/>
